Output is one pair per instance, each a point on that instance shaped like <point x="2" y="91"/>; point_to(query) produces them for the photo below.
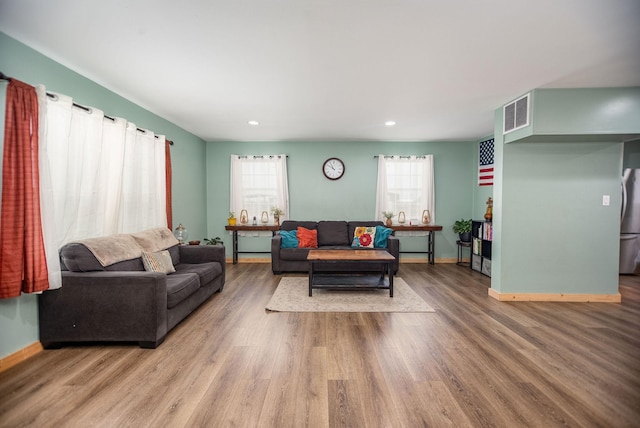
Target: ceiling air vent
<point x="516" y="114"/>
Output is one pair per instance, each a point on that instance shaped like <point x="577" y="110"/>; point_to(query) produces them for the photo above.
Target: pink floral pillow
<point x="364" y="237"/>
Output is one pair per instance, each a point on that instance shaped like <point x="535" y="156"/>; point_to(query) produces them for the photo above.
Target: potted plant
<point x="213" y="241"/>
<point x="388" y="215"/>
<point x="232" y="218"/>
<point x="277" y="212"/>
<point x="463" y="228"/>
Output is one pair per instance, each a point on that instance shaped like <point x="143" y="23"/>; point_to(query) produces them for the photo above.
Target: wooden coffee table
<point x="350" y="280"/>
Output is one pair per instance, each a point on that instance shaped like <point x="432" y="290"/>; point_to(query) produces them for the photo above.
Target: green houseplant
<point x="463" y="228"/>
<point x="389" y="216"/>
<point x="213" y="241"/>
<point x="277" y="212"/>
<point x="231" y="218"/>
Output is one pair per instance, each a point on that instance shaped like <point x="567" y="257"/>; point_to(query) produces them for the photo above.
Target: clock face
<point x="333" y="168"/>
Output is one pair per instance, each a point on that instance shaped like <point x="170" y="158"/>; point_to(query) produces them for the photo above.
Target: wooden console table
<point x="431" y="239"/>
<point x="248" y="228"/>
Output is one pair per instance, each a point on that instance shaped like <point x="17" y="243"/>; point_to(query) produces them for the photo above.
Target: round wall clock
<point x="333" y="168"/>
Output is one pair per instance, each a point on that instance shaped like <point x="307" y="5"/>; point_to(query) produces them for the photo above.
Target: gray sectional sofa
<point x="122" y="301"/>
<point x="331" y="235"/>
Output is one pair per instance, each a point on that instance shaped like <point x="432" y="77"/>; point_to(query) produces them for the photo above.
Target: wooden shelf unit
<point x="481" y="238"/>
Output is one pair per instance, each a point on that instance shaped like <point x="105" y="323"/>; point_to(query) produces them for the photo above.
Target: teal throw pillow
<point x="289" y="239"/>
<point x="382" y="233"/>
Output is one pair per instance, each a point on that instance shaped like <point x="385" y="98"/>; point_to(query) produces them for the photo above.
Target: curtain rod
<point x="402" y="157"/>
<point x="260" y="156"/>
<point x="87" y="109"/>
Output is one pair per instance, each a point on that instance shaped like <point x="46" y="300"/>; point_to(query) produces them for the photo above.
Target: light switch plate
<point x="605" y="200"/>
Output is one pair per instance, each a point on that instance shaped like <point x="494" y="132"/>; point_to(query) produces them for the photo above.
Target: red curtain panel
<point x="23" y="265"/>
<point x="167" y="150"/>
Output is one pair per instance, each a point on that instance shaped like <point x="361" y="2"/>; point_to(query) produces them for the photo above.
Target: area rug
<point x="292" y="295"/>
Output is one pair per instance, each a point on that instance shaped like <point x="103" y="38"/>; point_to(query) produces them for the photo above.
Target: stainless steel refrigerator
<point x="630" y="222"/>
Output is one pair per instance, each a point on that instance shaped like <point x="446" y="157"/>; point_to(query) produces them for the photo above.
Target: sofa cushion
<point x="382" y="233"/>
<point x="364" y="236"/>
<point x="159" y="261"/>
<point x="307" y="238"/>
<point x="175" y="254"/>
<point x="333" y="233"/>
<point x="293" y="225"/>
<point x="289" y="239"/>
<point x="205" y="271"/>
<point x="180" y="286"/>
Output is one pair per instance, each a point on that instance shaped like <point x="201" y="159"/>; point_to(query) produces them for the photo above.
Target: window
<point x="405" y="183"/>
<point x="259" y="183"/>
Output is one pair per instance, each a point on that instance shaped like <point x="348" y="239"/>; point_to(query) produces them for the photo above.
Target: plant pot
<point x="389" y="222"/>
<point x="232" y="221"/>
<point x="465" y="237"/>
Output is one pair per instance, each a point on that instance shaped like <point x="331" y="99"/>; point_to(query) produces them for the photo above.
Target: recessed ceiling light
<point x="390" y="123"/>
<point x="254" y="123"/>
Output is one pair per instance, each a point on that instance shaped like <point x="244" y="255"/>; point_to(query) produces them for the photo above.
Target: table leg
<point x="310" y="278"/>
<point x="235" y="247"/>
<point x="432" y="247"/>
<point x="390" y="268"/>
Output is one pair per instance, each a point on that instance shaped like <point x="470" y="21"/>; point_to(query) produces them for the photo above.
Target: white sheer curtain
<point x="259" y="183"/>
<point x="143" y="197"/>
<point x="405" y="183"/>
<point x="98" y="176"/>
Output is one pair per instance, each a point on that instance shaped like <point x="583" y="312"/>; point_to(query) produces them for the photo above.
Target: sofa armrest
<point x="105" y="306"/>
<point x="393" y="245"/>
<point x="276" y="243"/>
<point x="194" y="254"/>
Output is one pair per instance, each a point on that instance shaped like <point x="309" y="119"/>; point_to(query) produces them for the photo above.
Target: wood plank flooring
<point x="475" y="362"/>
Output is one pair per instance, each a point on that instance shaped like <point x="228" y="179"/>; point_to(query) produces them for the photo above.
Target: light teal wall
<point x="589" y="112"/>
<point x="18" y="317"/>
<point x="313" y="197"/>
<point x="552" y="234"/>
<point x="556" y="236"/>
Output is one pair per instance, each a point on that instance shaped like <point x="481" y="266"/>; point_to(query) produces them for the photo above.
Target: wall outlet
<point x="605" y="200"/>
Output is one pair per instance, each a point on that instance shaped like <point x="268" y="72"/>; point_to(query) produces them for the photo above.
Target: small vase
<point x="232" y="221"/>
<point x="389" y="222"/>
<point x="276" y="220"/>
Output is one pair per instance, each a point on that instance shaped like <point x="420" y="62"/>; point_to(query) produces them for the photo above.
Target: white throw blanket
<point x="116" y="248"/>
<point x="157" y="239"/>
<point x="112" y="249"/>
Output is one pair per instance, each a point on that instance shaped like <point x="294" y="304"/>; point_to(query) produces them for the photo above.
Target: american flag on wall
<point x="485" y="163"/>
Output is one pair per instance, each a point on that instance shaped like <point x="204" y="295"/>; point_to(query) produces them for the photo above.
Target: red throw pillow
<point x="307" y="238"/>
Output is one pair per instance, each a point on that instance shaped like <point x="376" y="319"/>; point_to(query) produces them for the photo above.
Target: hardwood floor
<point x="475" y="362"/>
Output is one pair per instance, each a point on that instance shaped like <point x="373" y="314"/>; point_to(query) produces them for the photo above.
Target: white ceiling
<point x="333" y="70"/>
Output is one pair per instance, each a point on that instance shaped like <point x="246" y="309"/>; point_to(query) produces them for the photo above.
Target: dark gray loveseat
<point x="122" y="301"/>
<point x="331" y="235"/>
